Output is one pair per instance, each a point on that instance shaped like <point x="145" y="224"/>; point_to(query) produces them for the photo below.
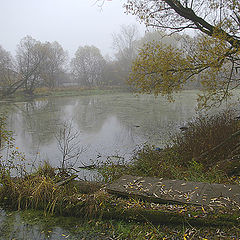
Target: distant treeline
<point x="37" y="64"/>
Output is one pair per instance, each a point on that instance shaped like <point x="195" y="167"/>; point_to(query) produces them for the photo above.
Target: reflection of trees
<point x="90" y="113"/>
<point x="37" y="122"/>
<point x="152" y="115"/>
<point x="40" y="120"/>
<point x="7" y="109"/>
<point x="14" y="226"/>
<point x="6" y="225"/>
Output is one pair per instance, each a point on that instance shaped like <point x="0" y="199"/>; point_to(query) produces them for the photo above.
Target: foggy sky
<point x="72" y="23"/>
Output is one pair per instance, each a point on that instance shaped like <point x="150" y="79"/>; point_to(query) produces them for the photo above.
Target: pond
<point x="108" y="125"/>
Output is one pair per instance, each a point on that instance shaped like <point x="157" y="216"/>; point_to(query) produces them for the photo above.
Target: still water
<point x="34" y="225"/>
<point x="107" y="125"/>
<point x="111" y="124"/>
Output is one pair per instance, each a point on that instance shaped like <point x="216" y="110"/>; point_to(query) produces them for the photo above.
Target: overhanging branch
<point x="200" y="23"/>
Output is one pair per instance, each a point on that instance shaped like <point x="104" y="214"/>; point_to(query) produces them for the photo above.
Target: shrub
<point x="149" y="162"/>
<point x="205" y="133"/>
<point x="111" y="169"/>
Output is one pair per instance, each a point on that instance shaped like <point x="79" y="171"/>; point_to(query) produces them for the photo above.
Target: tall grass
<point x="205" y="133"/>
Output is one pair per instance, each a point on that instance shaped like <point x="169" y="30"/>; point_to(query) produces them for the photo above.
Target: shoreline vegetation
<point x="71" y="91"/>
<point x="64" y="92"/>
<point x="89" y="201"/>
<point x="207" y="151"/>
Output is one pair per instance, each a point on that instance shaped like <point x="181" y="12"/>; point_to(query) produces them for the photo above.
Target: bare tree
<point x="125" y="41"/>
<point x="125" y="45"/>
<point x="69" y="146"/>
<point x="37" y="64"/>
<point x="88" y="66"/>
<point x="30" y="58"/>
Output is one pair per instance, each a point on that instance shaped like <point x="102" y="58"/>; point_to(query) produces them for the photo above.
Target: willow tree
<point x="213" y="55"/>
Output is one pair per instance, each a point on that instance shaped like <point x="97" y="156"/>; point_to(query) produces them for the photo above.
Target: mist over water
<point x="111" y="124"/>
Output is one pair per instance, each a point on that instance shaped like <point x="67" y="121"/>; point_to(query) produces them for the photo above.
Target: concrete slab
<point x="177" y="191"/>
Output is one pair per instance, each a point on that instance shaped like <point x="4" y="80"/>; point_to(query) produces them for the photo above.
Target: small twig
<point x="91" y="166"/>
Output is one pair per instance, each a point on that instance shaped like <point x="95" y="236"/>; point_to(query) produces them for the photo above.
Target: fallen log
<point x="159" y="217"/>
<point x="87" y="187"/>
<point x="67" y="180"/>
<point x="177" y="191"/>
<point x="100" y="204"/>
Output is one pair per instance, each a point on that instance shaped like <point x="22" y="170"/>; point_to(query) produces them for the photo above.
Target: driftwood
<point x="65" y="181"/>
<point x="88" y="167"/>
<point x="83" y="186"/>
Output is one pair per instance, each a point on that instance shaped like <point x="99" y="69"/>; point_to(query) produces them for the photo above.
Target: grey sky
<point x="70" y="22"/>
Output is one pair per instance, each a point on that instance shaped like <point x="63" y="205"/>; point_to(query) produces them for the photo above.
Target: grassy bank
<point x="75" y="228"/>
<point x="124" y="218"/>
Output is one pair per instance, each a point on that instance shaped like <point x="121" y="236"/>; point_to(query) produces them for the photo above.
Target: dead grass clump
<point x="30" y="192"/>
<point x="203" y="135"/>
<point x="46" y="170"/>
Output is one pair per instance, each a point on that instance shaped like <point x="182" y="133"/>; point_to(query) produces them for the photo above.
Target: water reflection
<point x="108" y="124"/>
<point x="27" y="225"/>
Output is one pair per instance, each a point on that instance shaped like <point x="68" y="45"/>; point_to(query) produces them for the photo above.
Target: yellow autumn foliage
<point x="213" y="56"/>
<point x="162" y="69"/>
